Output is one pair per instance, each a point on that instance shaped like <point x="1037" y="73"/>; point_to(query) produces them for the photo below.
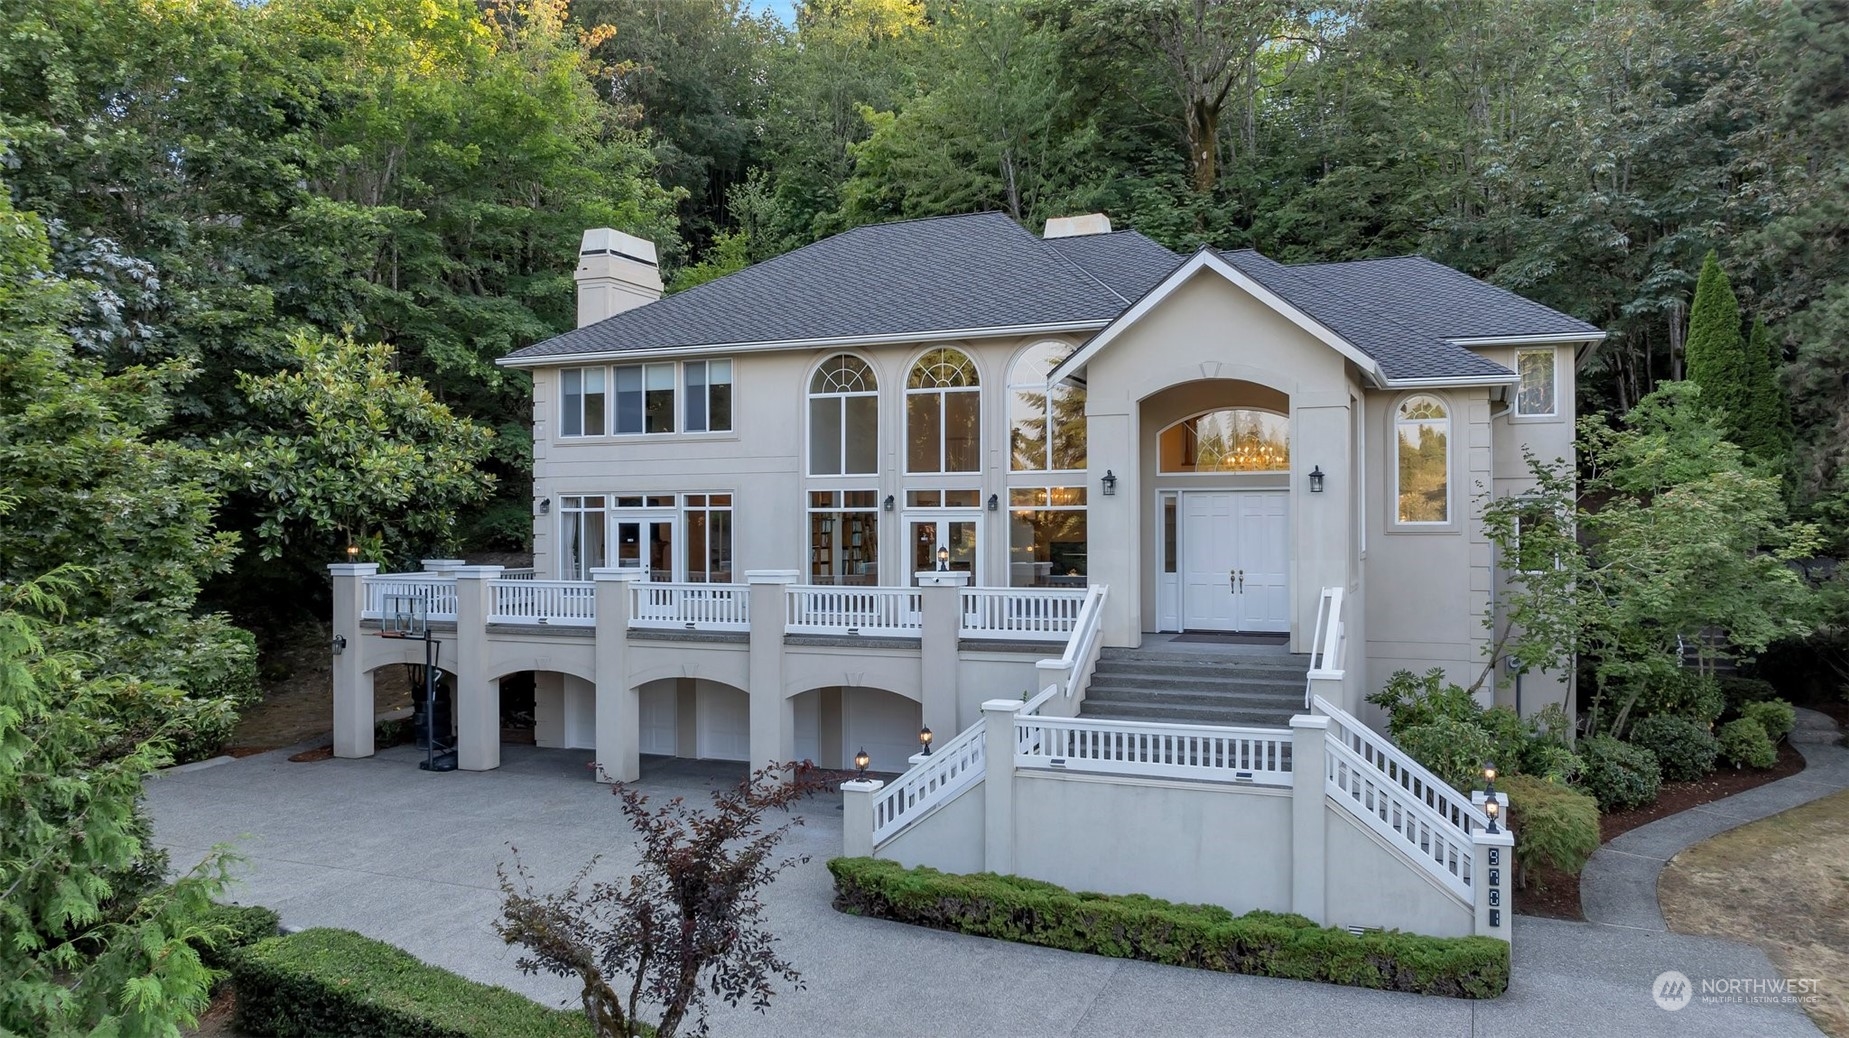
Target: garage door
<point x="724" y="723"/>
<point x="658" y="729"/>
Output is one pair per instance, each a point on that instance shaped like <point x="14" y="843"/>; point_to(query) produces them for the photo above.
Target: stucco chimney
<point x="1073" y="226"/>
<point x="616" y="272"/>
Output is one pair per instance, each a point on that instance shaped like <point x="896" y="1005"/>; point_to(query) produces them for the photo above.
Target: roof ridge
<point x="1370" y="259"/>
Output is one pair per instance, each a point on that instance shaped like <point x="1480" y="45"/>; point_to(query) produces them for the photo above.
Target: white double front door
<point x="1235" y="560"/>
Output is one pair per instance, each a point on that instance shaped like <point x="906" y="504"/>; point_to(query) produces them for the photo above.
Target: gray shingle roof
<point x="1439" y="301"/>
<point x="940" y="274"/>
<point x="952" y="273"/>
<point x="1402" y="350"/>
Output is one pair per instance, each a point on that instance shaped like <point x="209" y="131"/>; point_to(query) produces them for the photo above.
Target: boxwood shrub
<point x="1745" y="744"/>
<point x="1684" y="749"/>
<point x="230" y="927"/>
<point x="337" y="982"/>
<point x="1265" y="944"/>
<point x="1776" y="716"/>
<point x="1618" y="775"/>
<point x="1555" y="827"/>
<point x="1741" y="691"/>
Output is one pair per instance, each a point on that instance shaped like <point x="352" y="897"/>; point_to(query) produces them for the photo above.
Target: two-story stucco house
<point x="1217" y="438"/>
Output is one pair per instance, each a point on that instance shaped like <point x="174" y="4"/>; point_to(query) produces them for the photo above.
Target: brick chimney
<point x="616" y="272"/>
<point x="1074" y="226"/>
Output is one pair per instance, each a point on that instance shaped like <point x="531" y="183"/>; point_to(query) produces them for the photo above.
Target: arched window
<point x="943" y="411"/>
<point x="844" y="418"/>
<point x="1422" y="431"/>
<point x="1046" y="423"/>
<point x="1233" y="439"/>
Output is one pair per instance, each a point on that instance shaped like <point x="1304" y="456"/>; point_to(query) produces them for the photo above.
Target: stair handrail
<point x="1328" y="643"/>
<point x="950" y="769"/>
<point x="1379" y="753"/>
<point x="1085" y="643"/>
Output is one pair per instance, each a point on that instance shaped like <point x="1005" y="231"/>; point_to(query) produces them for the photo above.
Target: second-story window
<point x="709" y="395"/>
<point x="1046" y="421"/>
<point x="943" y="409"/>
<point x="1537" y="396"/>
<point x="645" y="398"/>
<point x="844" y="418"/>
<point x="581" y="408"/>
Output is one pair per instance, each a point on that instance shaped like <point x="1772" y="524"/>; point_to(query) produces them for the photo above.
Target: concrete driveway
<point x="409" y="857"/>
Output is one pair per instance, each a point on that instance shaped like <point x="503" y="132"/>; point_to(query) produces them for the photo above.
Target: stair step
<point x="1190" y="682"/>
<point x="1261" y="665"/>
<point x="1259" y="699"/>
<point x="1225" y="716"/>
<point x="1206" y="659"/>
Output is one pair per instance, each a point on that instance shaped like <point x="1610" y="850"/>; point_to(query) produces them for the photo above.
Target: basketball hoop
<point x="405" y="616"/>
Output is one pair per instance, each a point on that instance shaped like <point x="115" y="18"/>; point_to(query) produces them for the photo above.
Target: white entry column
<point x="353" y="702"/>
<point x="478" y="699"/>
<point x="773" y="717"/>
<point x="619" y="711"/>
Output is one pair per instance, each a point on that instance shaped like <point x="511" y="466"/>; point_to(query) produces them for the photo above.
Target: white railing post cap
<point x="1500" y="838"/>
<point x="942" y="578"/>
<point x="353" y="569"/>
<point x="436" y="564"/>
<point x="477" y="572"/>
<point x="613" y="573"/>
<point x="1309" y="721"/>
<point x="771" y="576"/>
<point x="863" y="786"/>
<point x="1049" y="664"/>
<point x="1000" y="706"/>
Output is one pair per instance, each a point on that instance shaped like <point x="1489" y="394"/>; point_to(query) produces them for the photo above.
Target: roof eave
<point x="1453" y="381"/>
<point x="1582" y="337"/>
<point x="546" y="360"/>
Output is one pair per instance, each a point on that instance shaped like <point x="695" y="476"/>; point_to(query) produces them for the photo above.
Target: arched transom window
<point x="1233" y="439"/>
<point x="844" y="418"/>
<point x="1046" y="422"/>
<point x="1422" y="431"/>
<point x="943" y="410"/>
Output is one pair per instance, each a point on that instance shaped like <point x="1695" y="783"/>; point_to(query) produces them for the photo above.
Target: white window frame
<point x="1279" y="471"/>
<point x="1047" y="391"/>
<point x="840" y="397"/>
<point x="941" y="394"/>
<point x="686" y="395"/>
<point x="1553" y="404"/>
<point x="603" y="374"/>
<point x="1449" y="522"/>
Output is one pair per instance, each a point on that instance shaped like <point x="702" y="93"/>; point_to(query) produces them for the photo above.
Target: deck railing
<point x="437" y="595"/>
<point x="951" y="768"/>
<point x="1327" y="644"/>
<point x="1259" y="756"/>
<point x="1021" y="613"/>
<point x="855" y="610"/>
<point x="564" y="603"/>
<point x="690" y="607"/>
<point x="527" y="573"/>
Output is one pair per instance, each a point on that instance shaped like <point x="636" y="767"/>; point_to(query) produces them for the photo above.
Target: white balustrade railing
<point x="1020" y="613"/>
<point x="519" y="574"/>
<point x="1085" y="643"/>
<point x="1327" y="644"/>
<point x="690" y="607"/>
<point x="1395" y="767"/>
<point x="1260" y="756"/>
<point x="855" y="610"/>
<point x="951" y="768"/>
<point x="563" y="603"/>
<point x="437" y="595"/>
<point x="1399" y="816"/>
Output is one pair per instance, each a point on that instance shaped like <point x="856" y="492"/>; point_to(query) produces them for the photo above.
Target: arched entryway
<point x="1218" y="519"/>
<point x="835" y="722"/>
<point x="693" y="717"/>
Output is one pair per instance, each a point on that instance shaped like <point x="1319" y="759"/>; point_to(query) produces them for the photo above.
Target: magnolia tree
<point x="1672" y="540"/>
<point x="688" y="921"/>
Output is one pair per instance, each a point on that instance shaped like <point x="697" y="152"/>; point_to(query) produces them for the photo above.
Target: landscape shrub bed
<point x="1265" y="944"/>
<point x="337" y="982"/>
<point x="1555" y="827"/>
<point x="230" y="927"/>
<point x="1745" y="744"/>
<point x="1776" y="716"/>
<point x="1684" y="749"/>
<point x="1618" y="775"/>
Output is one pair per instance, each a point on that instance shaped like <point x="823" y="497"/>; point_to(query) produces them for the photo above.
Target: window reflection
<point x="1228" y="440"/>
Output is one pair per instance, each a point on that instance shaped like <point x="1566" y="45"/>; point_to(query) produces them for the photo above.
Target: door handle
<point x="1242" y="581"/>
<point x="1232" y="581"/>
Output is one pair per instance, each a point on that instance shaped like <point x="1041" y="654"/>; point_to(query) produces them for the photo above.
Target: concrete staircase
<point x="1248" y="690"/>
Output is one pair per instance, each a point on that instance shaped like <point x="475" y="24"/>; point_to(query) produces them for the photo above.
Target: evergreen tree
<point x="1767" y="433"/>
<point x="1715" y="356"/>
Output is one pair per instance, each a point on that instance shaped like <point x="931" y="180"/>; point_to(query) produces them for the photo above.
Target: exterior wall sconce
<point x="924" y="739"/>
<point x="888" y="503"/>
<point x="340" y="644"/>
<point x="943" y="559"/>
<point x="861" y="760"/>
<point x="995" y="502"/>
<point x="1316" y="480"/>
<point x="1110" y="483"/>
<point x="545" y="506"/>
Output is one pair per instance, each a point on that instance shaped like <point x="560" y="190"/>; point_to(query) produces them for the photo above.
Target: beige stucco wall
<point x="1371" y="884"/>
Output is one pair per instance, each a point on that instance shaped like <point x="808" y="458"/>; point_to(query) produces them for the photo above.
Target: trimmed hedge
<point x="1744" y="743"/>
<point x="337" y="982"/>
<point x="1684" y="749"/>
<point x="1264" y="944"/>
<point x="230" y="927"/>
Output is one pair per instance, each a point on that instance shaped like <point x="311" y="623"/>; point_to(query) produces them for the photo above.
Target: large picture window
<point x="1422" y="434"/>
<point x="1537" y="395"/>
<point x="581" y="402"/>
<point x="1047" y="544"/>
<point x="582" y="536"/>
<point x="1046" y="422"/>
<point x="1234" y="439"/>
<point x="844" y="418"/>
<point x="844" y="534"/>
<point x="943" y="409"/>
